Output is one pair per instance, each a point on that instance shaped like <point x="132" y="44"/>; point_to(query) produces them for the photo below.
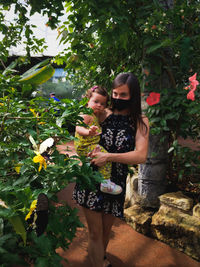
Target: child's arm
<point x="84" y="131"/>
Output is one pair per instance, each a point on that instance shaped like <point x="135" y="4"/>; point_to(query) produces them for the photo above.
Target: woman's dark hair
<point x="99" y="90"/>
<point x="132" y="82"/>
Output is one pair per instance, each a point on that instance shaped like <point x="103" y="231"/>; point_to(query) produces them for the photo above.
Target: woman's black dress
<point x="118" y="136"/>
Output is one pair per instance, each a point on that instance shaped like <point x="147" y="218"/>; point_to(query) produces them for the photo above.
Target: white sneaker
<point x="110" y="188"/>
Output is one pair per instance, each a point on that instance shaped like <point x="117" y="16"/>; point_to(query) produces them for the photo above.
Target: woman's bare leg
<point x="95" y="241"/>
<point x="108" y="221"/>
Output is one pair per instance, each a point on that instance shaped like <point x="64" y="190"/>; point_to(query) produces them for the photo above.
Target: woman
<point x="125" y="134"/>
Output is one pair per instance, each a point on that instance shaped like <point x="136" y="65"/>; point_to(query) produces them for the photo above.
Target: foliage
<point x="100" y="35"/>
<point x="20" y="179"/>
<point x="175" y="113"/>
<point x="62" y="90"/>
<point x="17" y="31"/>
<point x="158" y="41"/>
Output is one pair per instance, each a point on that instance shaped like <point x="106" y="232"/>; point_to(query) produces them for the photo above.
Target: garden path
<point x="127" y="248"/>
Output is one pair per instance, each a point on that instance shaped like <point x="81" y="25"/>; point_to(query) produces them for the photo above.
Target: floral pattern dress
<point x="118" y="136"/>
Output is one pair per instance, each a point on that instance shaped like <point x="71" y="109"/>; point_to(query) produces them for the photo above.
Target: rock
<point x="176" y="223"/>
<point x="139" y="218"/>
<point x="196" y="210"/>
<point x="131" y="188"/>
<point x="135" y="183"/>
<point x="177" y="229"/>
<point x="177" y="200"/>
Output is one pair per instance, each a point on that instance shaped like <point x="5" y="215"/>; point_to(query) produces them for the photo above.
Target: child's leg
<point x="107" y="186"/>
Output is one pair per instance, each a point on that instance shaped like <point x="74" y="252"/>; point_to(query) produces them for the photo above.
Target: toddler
<point x="88" y="138"/>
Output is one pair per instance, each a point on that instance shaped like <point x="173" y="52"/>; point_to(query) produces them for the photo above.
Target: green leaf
<point x="41" y="262"/>
<point x="26" y="88"/>
<point x="10" y="68"/>
<point x="158" y="45"/>
<point x="35" y="67"/>
<point x="38" y="76"/>
<point x="1" y="226"/>
<point x="187" y="164"/>
<point x="18" y="227"/>
<point x="170" y="149"/>
<point x="4" y="238"/>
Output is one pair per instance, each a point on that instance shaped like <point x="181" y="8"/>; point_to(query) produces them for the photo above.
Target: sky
<point x="42" y="31"/>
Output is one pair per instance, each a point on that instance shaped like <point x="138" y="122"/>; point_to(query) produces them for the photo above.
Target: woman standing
<point x="125" y="134"/>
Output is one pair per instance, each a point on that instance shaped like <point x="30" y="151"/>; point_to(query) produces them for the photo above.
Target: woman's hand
<point x="98" y="158"/>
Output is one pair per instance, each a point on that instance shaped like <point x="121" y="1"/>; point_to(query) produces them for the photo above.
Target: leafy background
<point x="159" y="41"/>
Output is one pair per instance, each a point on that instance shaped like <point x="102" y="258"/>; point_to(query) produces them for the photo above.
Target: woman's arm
<point x="136" y="156"/>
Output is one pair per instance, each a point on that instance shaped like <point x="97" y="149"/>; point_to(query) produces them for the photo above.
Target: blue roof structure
<point x="59" y="73"/>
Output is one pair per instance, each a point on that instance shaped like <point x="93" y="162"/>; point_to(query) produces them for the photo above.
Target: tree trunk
<point x="152" y="174"/>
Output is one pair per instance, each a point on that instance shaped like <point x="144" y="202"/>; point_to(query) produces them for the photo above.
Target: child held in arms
<point x="88" y="138"/>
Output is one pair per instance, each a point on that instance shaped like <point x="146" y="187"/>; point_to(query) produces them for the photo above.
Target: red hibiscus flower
<point x="191" y="95"/>
<point x="193" y="82"/>
<point x="153" y="98"/>
<point x="192" y="86"/>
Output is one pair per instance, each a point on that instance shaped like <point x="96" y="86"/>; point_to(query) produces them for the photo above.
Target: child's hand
<point x="93" y="131"/>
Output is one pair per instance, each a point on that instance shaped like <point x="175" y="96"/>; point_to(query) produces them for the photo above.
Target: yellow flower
<point x="2" y="104"/>
<point x="67" y="157"/>
<point x="32" y="207"/>
<point x="34" y="113"/>
<point x="13" y="89"/>
<point x="42" y="122"/>
<point x="40" y="159"/>
<point x="18" y="167"/>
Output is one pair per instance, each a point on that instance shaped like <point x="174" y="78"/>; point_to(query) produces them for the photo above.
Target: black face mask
<point x="120" y="104"/>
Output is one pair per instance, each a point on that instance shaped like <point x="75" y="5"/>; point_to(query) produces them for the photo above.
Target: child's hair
<point x="99" y="90"/>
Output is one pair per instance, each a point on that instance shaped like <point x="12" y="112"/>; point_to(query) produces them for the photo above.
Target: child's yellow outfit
<point x="86" y="144"/>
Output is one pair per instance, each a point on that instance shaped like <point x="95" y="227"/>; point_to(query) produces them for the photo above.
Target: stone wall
<point x="176" y="222"/>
